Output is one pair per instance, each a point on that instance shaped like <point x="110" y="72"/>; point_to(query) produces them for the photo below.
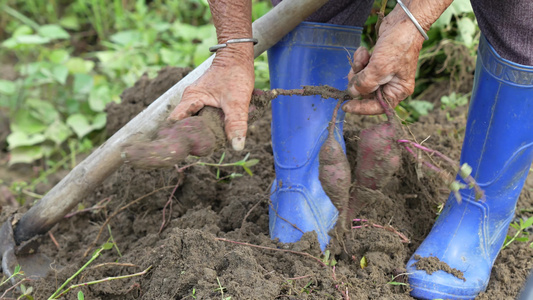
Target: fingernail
<point x="238" y="143"/>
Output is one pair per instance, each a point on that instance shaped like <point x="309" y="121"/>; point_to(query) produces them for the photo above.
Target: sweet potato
<point x="198" y="135"/>
<point x="334" y="173"/>
<point x="378" y="156"/>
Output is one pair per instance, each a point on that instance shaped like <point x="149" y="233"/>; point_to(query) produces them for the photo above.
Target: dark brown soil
<point x="432" y="264"/>
<point x="189" y="259"/>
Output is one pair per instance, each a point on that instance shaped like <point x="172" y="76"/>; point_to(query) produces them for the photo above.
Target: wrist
<point x="235" y="54"/>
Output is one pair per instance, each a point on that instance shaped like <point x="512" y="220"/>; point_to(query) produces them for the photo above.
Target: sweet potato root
<point x="198" y="135"/>
<point x="334" y="173"/>
<point x="378" y="156"/>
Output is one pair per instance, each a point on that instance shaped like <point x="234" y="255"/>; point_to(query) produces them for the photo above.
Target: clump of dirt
<point x="432" y="264"/>
<point x="211" y="221"/>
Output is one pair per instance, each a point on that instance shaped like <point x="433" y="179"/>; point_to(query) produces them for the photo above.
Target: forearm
<point x="233" y="20"/>
<point x="426" y="12"/>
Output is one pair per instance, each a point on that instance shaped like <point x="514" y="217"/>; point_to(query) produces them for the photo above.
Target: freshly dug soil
<point x="193" y="256"/>
<point x="432" y="264"/>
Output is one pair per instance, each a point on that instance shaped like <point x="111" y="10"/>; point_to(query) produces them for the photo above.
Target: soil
<point x="196" y="255"/>
<point x="432" y="264"/>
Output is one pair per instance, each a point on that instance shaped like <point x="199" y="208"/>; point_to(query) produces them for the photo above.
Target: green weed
<point x="521" y="235"/>
<point x="221" y="289"/>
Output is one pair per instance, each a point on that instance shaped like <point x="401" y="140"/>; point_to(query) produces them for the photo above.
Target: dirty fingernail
<point x="238" y="143"/>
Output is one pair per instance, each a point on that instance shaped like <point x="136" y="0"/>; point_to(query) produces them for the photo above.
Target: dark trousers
<point x="507" y="24"/>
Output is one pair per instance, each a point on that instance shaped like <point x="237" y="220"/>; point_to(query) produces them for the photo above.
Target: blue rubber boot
<point x="312" y="54"/>
<point x="498" y="146"/>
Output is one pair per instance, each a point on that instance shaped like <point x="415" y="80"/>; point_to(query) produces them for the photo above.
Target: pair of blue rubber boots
<point x="498" y="145"/>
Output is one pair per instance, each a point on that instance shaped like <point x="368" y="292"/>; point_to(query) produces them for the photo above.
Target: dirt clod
<point x="432" y="264"/>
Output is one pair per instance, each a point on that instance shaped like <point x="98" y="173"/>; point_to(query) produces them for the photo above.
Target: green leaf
<point x="259" y="9"/>
<point x="77" y="65"/>
<point x="32" y="39"/>
<point x="79" y="124"/>
<point x="456" y="186"/>
<point x="7" y="87"/>
<point x="462" y="6"/>
<point x="457" y="8"/>
<point x="528" y="222"/>
<point x="251" y="162"/>
<point x="201" y="53"/>
<point x="53" y="32"/>
<point x="60" y="73"/>
<point x="81" y="296"/>
<point x="99" y="121"/>
<point x="19" y="138"/>
<point x="99" y="98"/>
<point x="58" y="132"/>
<point x="420" y="106"/>
<point x="22" y="30"/>
<point x="169" y="57"/>
<point x="107" y="246"/>
<point x="247" y="170"/>
<point x="26" y="154"/>
<point x="465" y="171"/>
<point x="23" y="121"/>
<point x="58" y="56"/>
<point x="363" y="263"/>
<point x="467" y="31"/>
<point x="83" y="83"/>
<point x="126" y="38"/>
<point x="42" y="110"/>
<point x="28" y="290"/>
<point x="522" y="239"/>
<point x="70" y="22"/>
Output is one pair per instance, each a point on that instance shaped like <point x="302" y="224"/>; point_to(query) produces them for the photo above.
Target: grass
<point x="63" y="289"/>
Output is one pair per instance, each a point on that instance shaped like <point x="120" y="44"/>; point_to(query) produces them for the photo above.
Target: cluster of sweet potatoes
<point x="378" y="157"/>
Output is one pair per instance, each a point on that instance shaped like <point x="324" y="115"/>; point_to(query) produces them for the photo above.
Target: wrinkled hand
<point x="391" y="65"/>
<point x="227" y="84"/>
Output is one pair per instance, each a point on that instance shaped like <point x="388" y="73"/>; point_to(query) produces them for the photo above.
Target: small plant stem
<point x="9" y="278"/>
<point x="99" y="205"/>
<point x="32" y="194"/>
<point x="431" y="151"/>
<point x="469" y="179"/>
<point x="381" y="15"/>
<point x="427" y="164"/>
<point x="331" y="128"/>
<point x="58" y="291"/>
<point x="103" y="280"/>
<point x="512" y="239"/>
<point x="388" y="228"/>
<point x="300" y="277"/>
<point x="13" y="287"/>
<point x="22" y="18"/>
<point x="386" y="107"/>
<point x="273" y="249"/>
<point x="116" y="264"/>
<point x="48" y="172"/>
<point x="118" y="211"/>
<point x="113" y="240"/>
<point x="169" y="203"/>
<point x="54" y="240"/>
